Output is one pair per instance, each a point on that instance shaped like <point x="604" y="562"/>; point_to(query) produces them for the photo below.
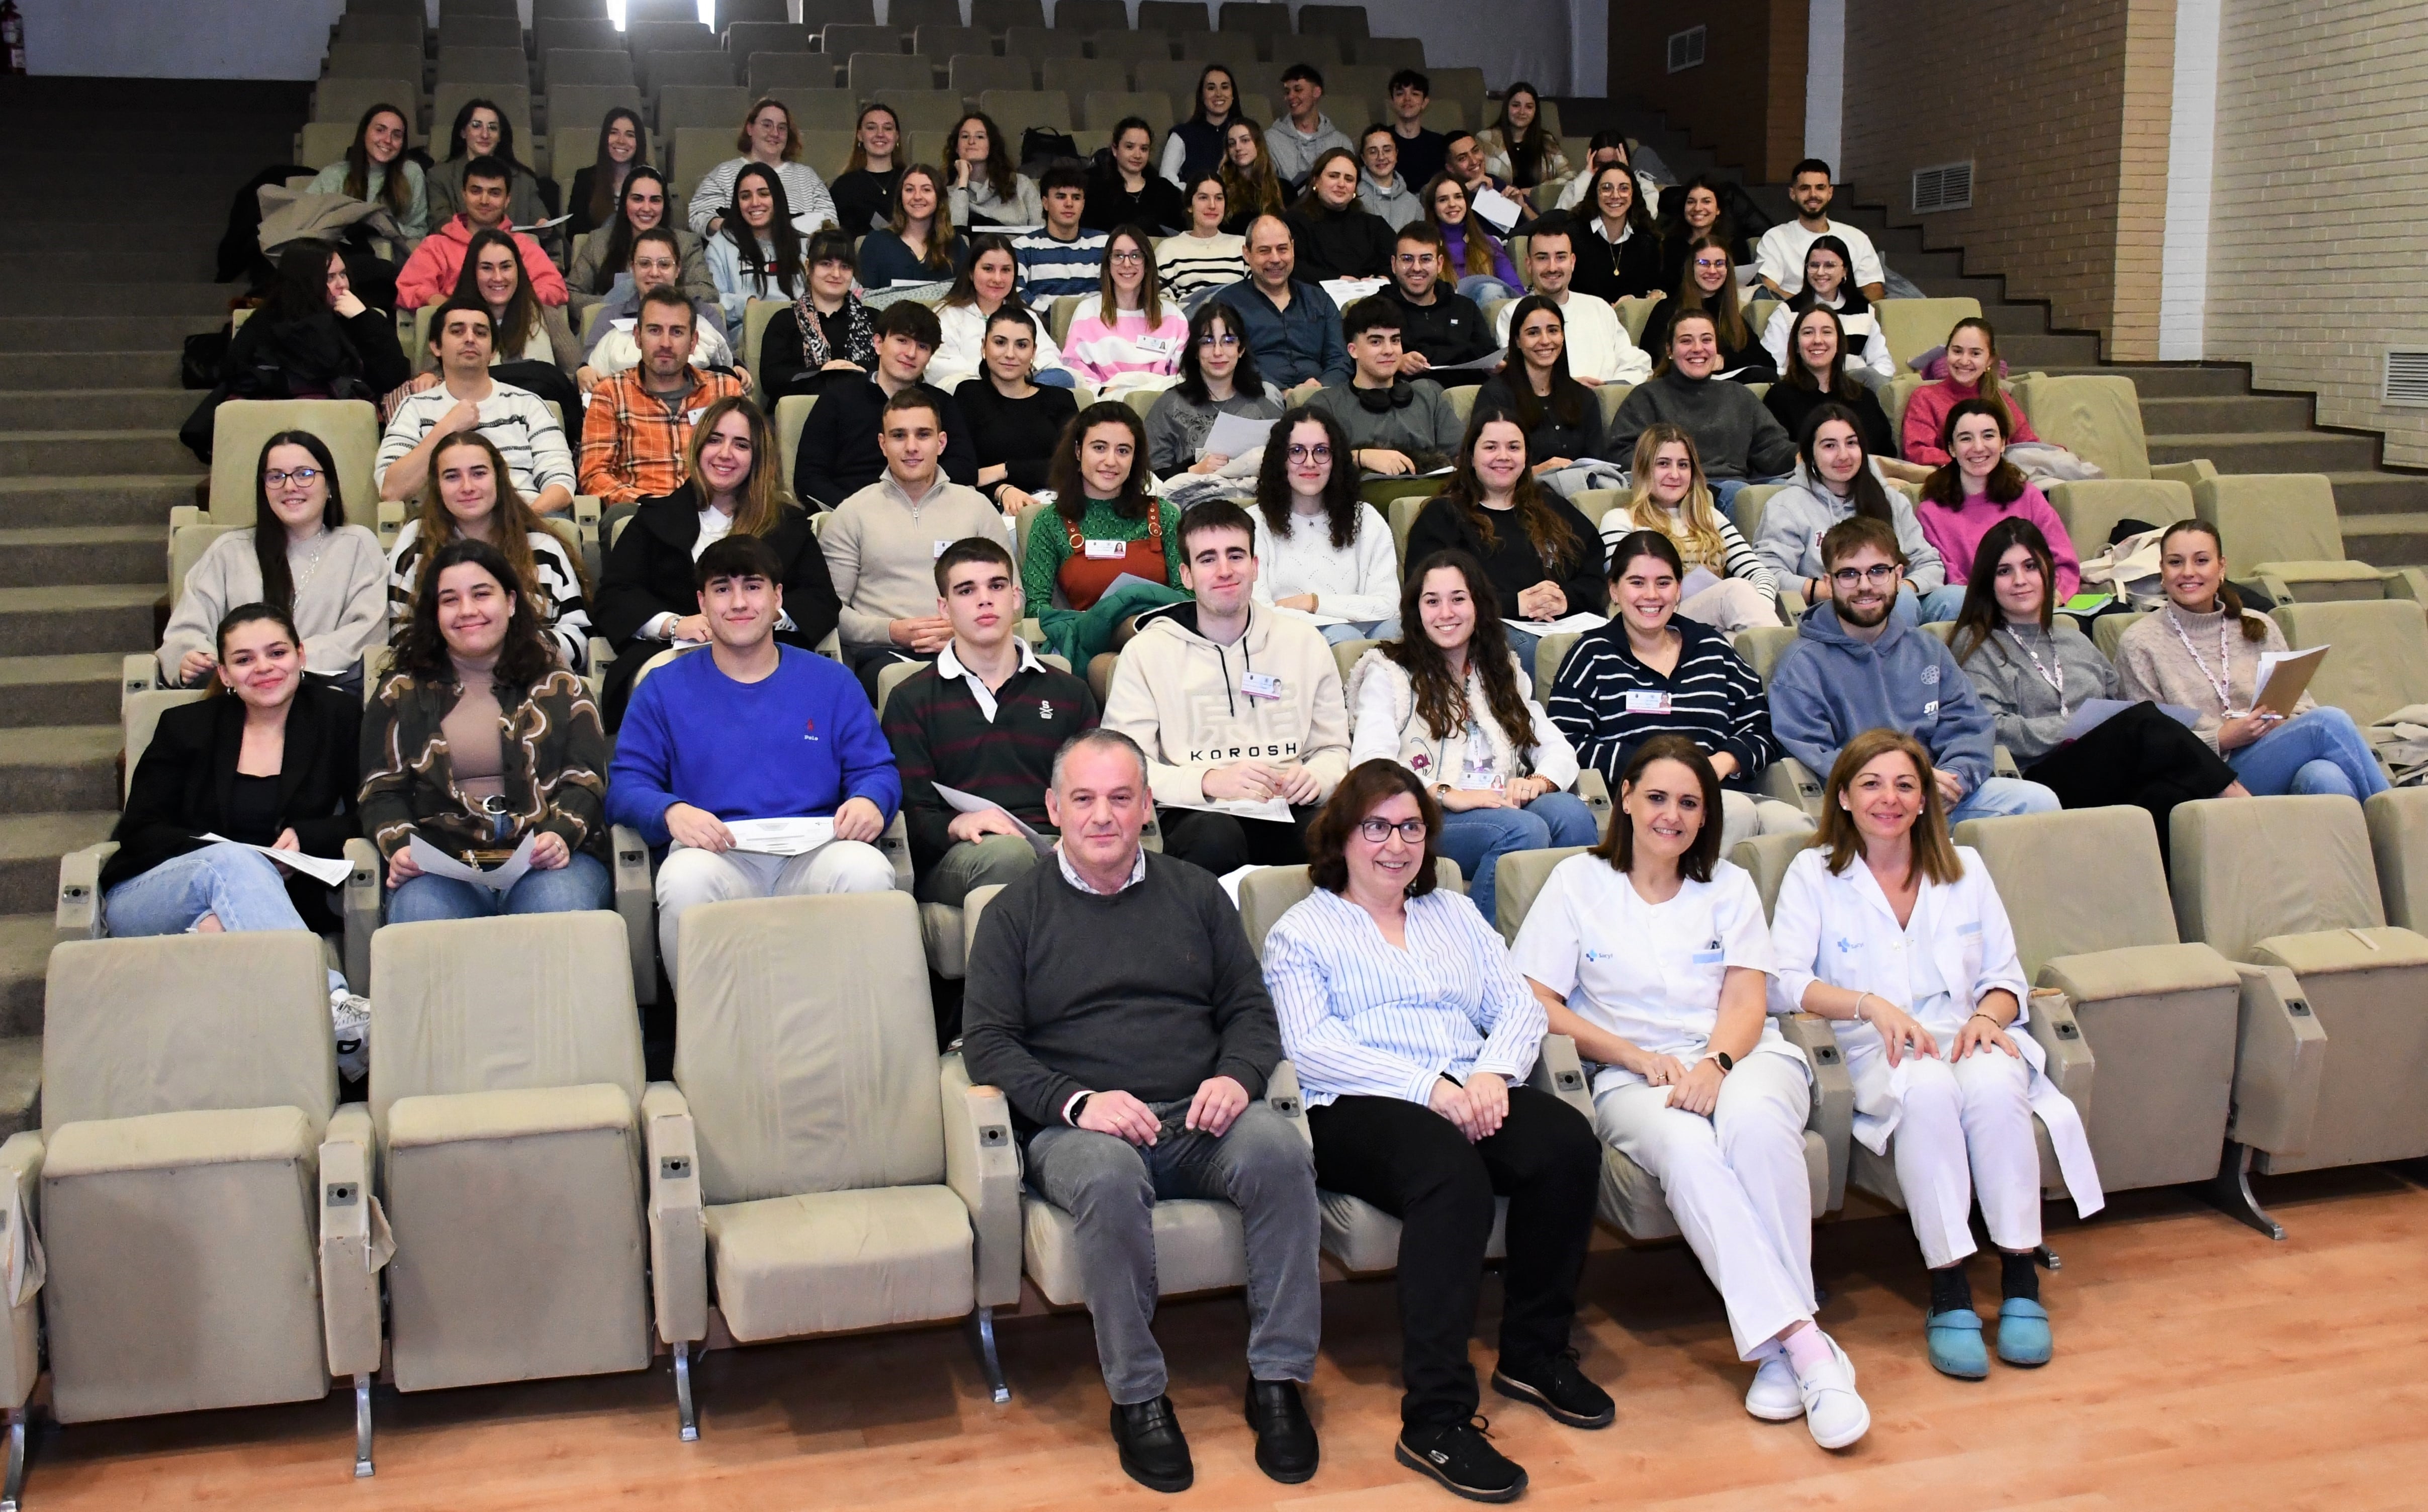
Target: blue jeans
<point x="580" y="883"/>
<point x="1937" y="604"/>
<point x="242" y="888"/>
<point x="1371" y="630"/>
<point x="2003" y="798"/>
<point x="1483" y="289"/>
<point x="1477" y="839"/>
<point x="2319" y="752"/>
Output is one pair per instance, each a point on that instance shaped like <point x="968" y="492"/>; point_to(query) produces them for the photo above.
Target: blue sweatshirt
<point x="1294" y="344"/>
<point x="797" y="744"/>
<point x="1830" y="686"/>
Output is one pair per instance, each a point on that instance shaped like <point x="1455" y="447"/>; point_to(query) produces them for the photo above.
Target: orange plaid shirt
<point x="632" y="440"/>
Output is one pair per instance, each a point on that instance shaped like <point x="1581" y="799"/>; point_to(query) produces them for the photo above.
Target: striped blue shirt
<point x="1361" y="1018"/>
<point x="1050" y="268"/>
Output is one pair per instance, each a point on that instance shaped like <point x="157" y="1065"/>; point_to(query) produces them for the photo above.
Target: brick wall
<point x="2314" y="255"/>
<point x="1746" y="102"/>
<point x="2062" y="109"/>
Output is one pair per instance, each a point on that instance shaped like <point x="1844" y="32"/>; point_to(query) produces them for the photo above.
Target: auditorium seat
<point x="823" y="107"/>
<point x="1131" y="47"/>
<point x="578" y="108"/>
<point x="1038" y="43"/>
<point x="710" y="106"/>
<point x="907" y="16"/>
<point x="569" y="33"/>
<point x="814" y="1154"/>
<point x="746" y="38"/>
<point x="660" y="12"/>
<point x="1390" y="52"/>
<point x="839" y="39"/>
<point x="1101" y="108"/>
<point x="973" y="76"/>
<point x="1000" y="16"/>
<point x="733" y="13"/>
<point x="372" y="60"/>
<point x="1912" y="327"/>
<point x="2097" y="417"/>
<point x="927" y="114"/>
<point x="1168" y="15"/>
<point x="506" y="1095"/>
<point x="2379" y="660"/>
<point x="240" y="428"/>
<point x="557" y="9"/>
<point x="2398" y="840"/>
<point x="818" y="14"/>
<point x="776" y="72"/>
<point x="343" y="101"/>
<point x="480" y="31"/>
<point x="688" y="68"/>
<point x="1345" y="21"/>
<point x="484" y="65"/>
<point x="358" y="26"/>
<point x="565" y="66"/>
<point x="940" y="44"/>
<point x="2280" y="530"/>
<point x="869" y="73"/>
<point x="2091" y="509"/>
<point x="1017" y="110"/>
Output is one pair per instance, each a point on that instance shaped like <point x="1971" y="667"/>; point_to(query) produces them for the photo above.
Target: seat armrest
<point x="2187" y="473"/>
<point x="1033" y="631"/>
<point x="391" y="523"/>
<point x="138" y="672"/>
<point x="636" y="904"/>
<point x="77" y="916"/>
<point x="1833" y="1093"/>
<point x="20" y="1361"/>
<point x="1559" y="1072"/>
<point x="354" y="1245"/>
<point x="832" y="647"/>
<point x="982" y="1167"/>
<point x="1595" y="790"/>
<point x="1283" y="1096"/>
<point x="895" y="843"/>
<point x="677" y="1236"/>
<point x="2280" y="1052"/>
<point x="1792" y="604"/>
<point x="586" y="529"/>
<point x="1791" y="781"/>
<point x="2070" y="1063"/>
<point x="2002" y="763"/>
<point x="2406" y="582"/>
<point x="2274" y="586"/>
<point x="363" y="888"/>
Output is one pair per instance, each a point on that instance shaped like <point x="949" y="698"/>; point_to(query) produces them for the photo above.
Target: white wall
<point x="2191" y="167"/>
<point x="179" y="38"/>
<point x="1825" y="80"/>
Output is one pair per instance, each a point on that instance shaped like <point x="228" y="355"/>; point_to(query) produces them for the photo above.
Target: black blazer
<point x="649" y="573"/>
<point x="188" y="774"/>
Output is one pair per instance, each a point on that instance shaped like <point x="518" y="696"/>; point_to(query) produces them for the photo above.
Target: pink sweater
<point x="1101" y="352"/>
<point x="1955" y="534"/>
<point x="1926" y="412"/>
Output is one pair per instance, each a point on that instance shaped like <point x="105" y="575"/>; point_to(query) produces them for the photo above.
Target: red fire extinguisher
<point x="13" y="36"/>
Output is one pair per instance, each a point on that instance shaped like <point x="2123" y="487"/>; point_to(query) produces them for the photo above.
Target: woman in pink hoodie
<point x="1973" y="490"/>
<point x="1971" y="353"/>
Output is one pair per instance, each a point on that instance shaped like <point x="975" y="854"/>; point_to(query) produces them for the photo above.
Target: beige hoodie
<point x="1184" y="700"/>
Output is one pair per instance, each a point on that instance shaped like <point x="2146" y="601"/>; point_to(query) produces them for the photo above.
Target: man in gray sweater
<point x="1396" y="427"/>
<point x="1114" y="999"/>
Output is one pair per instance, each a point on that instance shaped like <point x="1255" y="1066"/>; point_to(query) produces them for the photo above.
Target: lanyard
<point x="2054" y="679"/>
<point x="2221" y="683"/>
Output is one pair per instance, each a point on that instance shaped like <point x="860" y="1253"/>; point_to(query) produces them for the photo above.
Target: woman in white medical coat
<point x="1651" y="953"/>
<point x="1899" y="936"/>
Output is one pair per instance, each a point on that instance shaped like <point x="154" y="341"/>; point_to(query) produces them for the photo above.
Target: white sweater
<point x="341" y="598"/>
<point x="1383" y="723"/>
<point x="805" y="195"/>
<point x="1596" y="343"/>
<point x="1361" y="583"/>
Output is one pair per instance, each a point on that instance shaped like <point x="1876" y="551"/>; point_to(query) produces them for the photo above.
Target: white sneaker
<point x="349" y="1017"/>
<point x="1774" y="1397"/>
<point x="1833" y="1412"/>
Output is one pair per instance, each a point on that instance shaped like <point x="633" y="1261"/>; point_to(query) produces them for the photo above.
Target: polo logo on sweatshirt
<point x="809" y="729"/>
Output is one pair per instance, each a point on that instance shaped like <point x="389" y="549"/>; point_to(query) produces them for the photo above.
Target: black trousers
<point x="1414" y="1164"/>
<point x="2141" y="758"/>
<point x="1223" y="843"/>
<point x="869" y="662"/>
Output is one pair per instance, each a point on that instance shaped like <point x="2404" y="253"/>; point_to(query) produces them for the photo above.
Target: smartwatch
<point x="1728" y="1062"/>
<point x="1079" y="1106"/>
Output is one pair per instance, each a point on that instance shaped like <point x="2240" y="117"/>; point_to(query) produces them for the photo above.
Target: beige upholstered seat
<point x="2379" y="664"/>
<point x="506" y="1090"/>
<point x="1786" y="779"/>
<point x="2288" y="882"/>
<point x="2282" y="530"/>
<point x="348" y="428"/>
<point x="816" y="1167"/>
<point x="209" y="1238"/>
<point x="2398" y="837"/>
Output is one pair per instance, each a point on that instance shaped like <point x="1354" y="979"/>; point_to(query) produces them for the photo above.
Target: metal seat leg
<point x="988" y="1359"/>
<point x="2230" y="1189"/>
<point x="687" y="1417"/>
<point x="362" y="1426"/>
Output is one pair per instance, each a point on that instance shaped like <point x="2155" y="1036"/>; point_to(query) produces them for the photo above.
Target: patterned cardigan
<point x="555" y="753"/>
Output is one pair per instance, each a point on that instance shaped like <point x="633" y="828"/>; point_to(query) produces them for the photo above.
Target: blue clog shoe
<point x="2023" y="1332"/>
<point x="1955" y="1339"/>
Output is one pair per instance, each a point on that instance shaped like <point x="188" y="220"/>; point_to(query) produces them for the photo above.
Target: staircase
<point x="2189" y="410"/>
<point x="113" y="230"/>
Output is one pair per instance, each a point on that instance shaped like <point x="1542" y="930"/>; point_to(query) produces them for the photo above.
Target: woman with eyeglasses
<point x="1413" y="1037"/>
<point x="1217" y="377"/>
<point x="1707" y="286"/>
<point x="1129" y="339"/>
<point x="300" y="557"/>
<point x="1320" y="548"/>
<point x="1834" y="481"/>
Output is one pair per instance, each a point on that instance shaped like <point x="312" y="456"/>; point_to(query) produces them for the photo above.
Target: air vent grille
<point x="1946" y="186"/>
<point x="2406" y="377"/>
<point x="1686" y="49"/>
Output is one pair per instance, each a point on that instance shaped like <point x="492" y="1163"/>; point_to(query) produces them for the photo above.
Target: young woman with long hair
<point x="1250" y="182"/>
<point x="1217" y="377"/>
<point x="863" y="195"/>
<point x="1671" y="495"/>
<point x="1194" y="148"/>
<point x="1815" y="373"/>
<point x="1204" y="257"/>
<point x="1336" y="237"/>
<point x="1016" y="423"/>
<point x="1898" y="935"/>
<point x="376" y="167"/>
<point x="826" y="330"/>
<point x="990" y="280"/>
<point x="1706" y="284"/>
<point x="1833" y="482"/>
<point x="1128" y="191"/>
<point x="985" y="191"/>
<point x="1320" y="548"/>
<point x="598" y="186"/>
<point x="1099" y="477"/>
<point x="1699" y="216"/>
<point x="483" y="129"/>
<point x="1973" y="372"/>
<point x="757" y="252"/>
<point x="1975" y="489"/>
<point x="534" y="349"/>
<point x="1448" y="700"/>
<point x="1477" y="264"/>
<point x="312" y="338"/>
<point x="768" y="139"/>
<point x="1520" y="149"/>
<point x="1129" y="339"/>
<point x="919" y="244"/>
<point x="1619" y="254"/>
<point x="1561" y="418"/>
<point x="1542" y="557"/>
<point x="606" y="253"/>
<point x="1828" y="284"/>
<point x="469" y="496"/>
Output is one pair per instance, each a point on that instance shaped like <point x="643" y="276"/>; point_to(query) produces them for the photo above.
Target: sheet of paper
<point x="780" y="836"/>
<point x="1347" y="291"/>
<point x="1130" y="580"/>
<point x="1698" y="579"/>
<point x="329" y="869"/>
<point x="1495" y="206"/>
<point x="2097" y="711"/>
<point x="1307" y="616"/>
<point x="1276" y="809"/>
<point x="1234" y="436"/>
<point x="2086" y="603"/>
<point x="1579" y="623"/>
<point x="500" y="878"/>
<point x="967" y="803"/>
<point x="1749" y="274"/>
<point x="1489" y="363"/>
<point x="543" y="225"/>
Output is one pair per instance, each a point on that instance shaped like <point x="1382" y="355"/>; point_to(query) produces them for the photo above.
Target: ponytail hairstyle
<point x="1870" y="500"/>
<point x="2254" y="627"/>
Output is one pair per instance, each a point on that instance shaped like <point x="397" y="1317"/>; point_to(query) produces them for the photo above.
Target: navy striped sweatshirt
<point x="940" y="734"/>
<point x="1715" y="698"/>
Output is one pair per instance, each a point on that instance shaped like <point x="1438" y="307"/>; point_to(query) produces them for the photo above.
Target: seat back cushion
<point x="1269" y="892"/>
<point x="2091" y="509"/>
<point x="2162" y="1021"/>
<point x="1765" y="858"/>
<point x="179" y="1023"/>
<point x="805" y="1042"/>
<point x="2272" y="517"/>
<point x="1520" y="879"/>
<point x="2097" y="417"/>
<point x="2380" y="660"/>
<point x="507" y="1004"/>
<point x="2114" y="890"/>
<point x="2249" y="867"/>
<point x="2398" y="835"/>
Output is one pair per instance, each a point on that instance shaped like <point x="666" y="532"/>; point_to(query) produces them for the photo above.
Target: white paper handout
<point x="1489" y="362"/>
<point x="780" y="836"/>
<point x="329" y="869"/>
<point x="1578" y="622"/>
<point x="1496" y="207"/>
<point x="1347" y="291"/>
<point x="966" y="802"/>
<point x="1698" y="579"/>
<point x="500" y="878"/>
<point x="1234" y="436"/>
<point x="1276" y="809"/>
<point x="2298" y="665"/>
<point x="1308" y="616"/>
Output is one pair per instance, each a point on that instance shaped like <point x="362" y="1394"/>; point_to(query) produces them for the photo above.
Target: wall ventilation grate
<point x="2406" y="377"/>
<point x="1946" y="186"/>
<point x="1686" y="49"/>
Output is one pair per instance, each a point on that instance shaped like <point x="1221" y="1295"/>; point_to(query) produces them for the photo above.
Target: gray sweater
<point x="2026" y="710"/>
<point x="1149" y="991"/>
<point x="1426" y="428"/>
<point x="1176" y="429"/>
<point x="1798" y="517"/>
<point x="1737" y="437"/>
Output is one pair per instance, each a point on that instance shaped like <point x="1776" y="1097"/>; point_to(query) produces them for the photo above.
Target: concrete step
<point x="85" y="453"/>
<point x="106" y="498"/>
<point x="33" y="297"/>
<point x="2268" y="451"/>
<point x="2360" y="495"/>
<point x="104" y="332"/>
<point x="34" y="556"/>
<point x="2014" y="322"/>
<point x="139" y="227"/>
<point x="2153" y="382"/>
<point x="25" y="941"/>
<point x="30" y="848"/>
<point x="108" y="262"/>
<point x="2171" y="415"/>
<point x="164" y="408"/>
<point x="2030" y="351"/>
<point x="1988" y="291"/>
<point x="86" y="617"/>
<point x="95" y="369"/>
<point x="2386" y="539"/>
<point x="79" y="687"/>
<point x="59" y="770"/>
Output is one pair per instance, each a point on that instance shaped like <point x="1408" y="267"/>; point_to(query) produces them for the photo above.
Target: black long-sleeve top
<point x="839" y="455"/>
<point x="1511" y="561"/>
<point x="1019" y="434"/>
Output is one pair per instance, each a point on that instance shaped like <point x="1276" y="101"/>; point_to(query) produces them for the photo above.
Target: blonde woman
<point x="1672" y="495"/>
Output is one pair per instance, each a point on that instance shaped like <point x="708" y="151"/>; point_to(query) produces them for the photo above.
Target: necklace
<point x="2056" y="679"/>
<point x="2219" y="682"/>
<point x="311" y="564"/>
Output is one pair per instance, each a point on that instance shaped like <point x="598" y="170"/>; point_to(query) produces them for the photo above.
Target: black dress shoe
<point x="1559" y="1388"/>
<point x="1153" y="1452"/>
<point x="1460" y="1456"/>
<point x="1286" y="1446"/>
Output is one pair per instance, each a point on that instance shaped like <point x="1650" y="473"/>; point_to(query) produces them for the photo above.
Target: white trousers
<point x="1737" y="1185"/>
<point x="689" y="878"/>
<point x="1964" y="1130"/>
<point x="1733" y="604"/>
<point x="1742" y="816"/>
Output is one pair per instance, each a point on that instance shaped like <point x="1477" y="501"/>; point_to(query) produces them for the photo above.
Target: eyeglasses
<point x="1132" y="256"/>
<point x="304" y="476"/>
<point x="1378" y="830"/>
<point x="1218" y="339"/>
<point x="1880" y="572"/>
<point x="1320" y="451"/>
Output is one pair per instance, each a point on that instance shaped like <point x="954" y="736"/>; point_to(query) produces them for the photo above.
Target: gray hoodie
<point x="1394" y="202"/>
<point x="1830" y="686"/>
<point x="1796" y="517"/>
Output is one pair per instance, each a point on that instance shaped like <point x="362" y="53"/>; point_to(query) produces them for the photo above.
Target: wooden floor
<point x="2199" y="1365"/>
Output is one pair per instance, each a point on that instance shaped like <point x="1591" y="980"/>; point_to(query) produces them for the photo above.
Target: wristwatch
<point x="1079" y="1106"/>
<point x="1728" y="1062"/>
